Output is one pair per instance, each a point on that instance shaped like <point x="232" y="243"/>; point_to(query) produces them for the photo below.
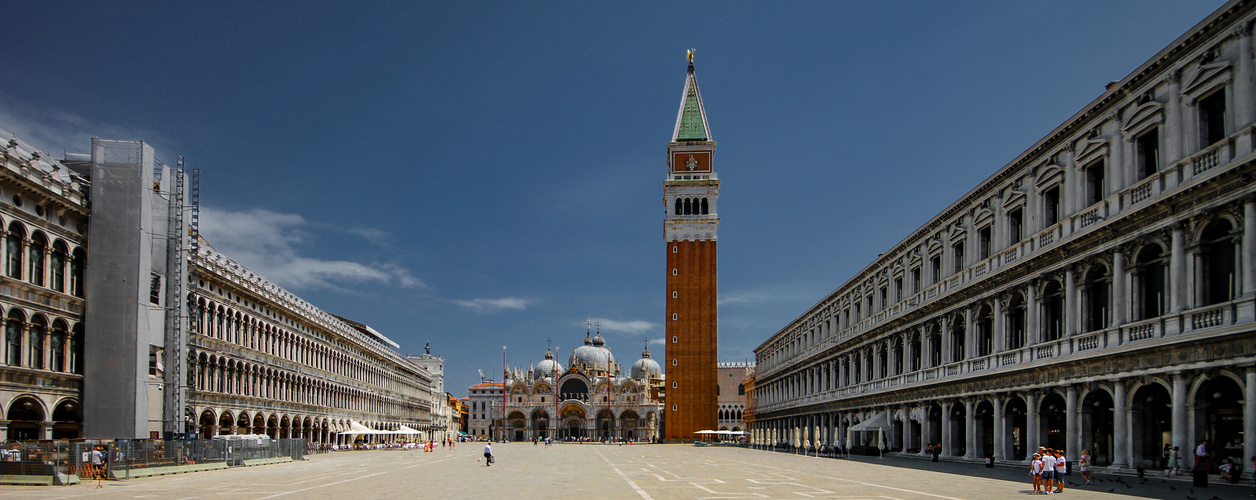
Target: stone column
<point x="906" y="353"/>
<point x="1031" y="424"/>
<point x="1177" y="270"/>
<point x="1249" y="251"/>
<point x="948" y="343"/>
<point x="876" y="360"/>
<point x="907" y="436"/>
<point x="1243" y="110"/>
<point x="1116" y="165"/>
<point x="1000" y="430"/>
<point x="970" y="336"/>
<point x="1071" y="434"/>
<point x="1071" y="304"/>
<point x="1249" y="418"/>
<point x="1118" y="289"/>
<point x="1120" y="428"/>
<point x="1173" y="132"/>
<point x="970" y="430"/>
<point x="1180" y="438"/>
<point x="1033" y="331"/>
<point x="946" y="429"/>
<point x="1000" y="338"/>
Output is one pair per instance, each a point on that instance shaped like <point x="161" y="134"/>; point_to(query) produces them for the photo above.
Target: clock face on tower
<point x="691" y="161"/>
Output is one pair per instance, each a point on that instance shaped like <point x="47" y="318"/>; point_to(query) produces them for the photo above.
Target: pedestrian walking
<point x="488" y="454"/>
<point x="1084" y="464"/>
<point x="1175" y="463"/>
<point x="1048" y="471"/>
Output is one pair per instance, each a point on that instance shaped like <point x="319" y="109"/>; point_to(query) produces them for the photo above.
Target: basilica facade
<point x="590" y="398"/>
<point x="1096" y="293"/>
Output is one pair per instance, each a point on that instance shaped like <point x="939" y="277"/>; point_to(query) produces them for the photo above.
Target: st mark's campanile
<point x="690" y="194"/>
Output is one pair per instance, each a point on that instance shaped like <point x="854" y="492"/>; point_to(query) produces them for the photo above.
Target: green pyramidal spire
<point x="691" y="122"/>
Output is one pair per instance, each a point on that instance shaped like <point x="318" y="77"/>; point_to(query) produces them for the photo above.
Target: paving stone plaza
<point x="612" y="472"/>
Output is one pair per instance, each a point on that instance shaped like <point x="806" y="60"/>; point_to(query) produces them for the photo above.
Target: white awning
<point x="878" y="422"/>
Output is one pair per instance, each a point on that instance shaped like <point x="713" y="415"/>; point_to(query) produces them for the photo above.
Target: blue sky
<point x="479" y="174"/>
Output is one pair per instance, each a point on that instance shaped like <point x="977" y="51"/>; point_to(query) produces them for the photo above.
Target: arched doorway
<point x="540" y="424"/>
<point x="242" y="423"/>
<point x="605" y="424"/>
<point x="934" y="425"/>
<point x="1219" y="419"/>
<point x="26" y="416"/>
<point x="259" y="424"/>
<point x="573" y="418"/>
<point x="984" y="412"/>
<point x="516" y="424"/>
<point x="1151" y="413"/>
<point x="574" y="389"/>
<point x="628" y="425"/>
<point x="1015" y="431"/>
<point x="1097" y="427"/>
<point x="1052" y="416"/>
<point x="958" y="430"/>
<point x="226" y="423"/>
<point x="67" y="420"/>
<point x="206" y="423"/>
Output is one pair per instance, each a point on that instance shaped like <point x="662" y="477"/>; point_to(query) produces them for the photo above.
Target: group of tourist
<point x="1049" y="467"/>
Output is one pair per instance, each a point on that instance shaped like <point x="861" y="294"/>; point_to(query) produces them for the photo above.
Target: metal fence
<point x="41" y="458"/>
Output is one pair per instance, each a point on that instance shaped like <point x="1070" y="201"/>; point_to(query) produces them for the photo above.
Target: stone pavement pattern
<point x="652" y="472"/>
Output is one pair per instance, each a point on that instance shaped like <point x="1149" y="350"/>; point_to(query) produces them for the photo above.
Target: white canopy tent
<point x="356" y="429"/>
<point x="870" y="432"/>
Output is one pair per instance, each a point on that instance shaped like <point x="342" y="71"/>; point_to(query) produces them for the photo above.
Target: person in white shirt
<point x="1035" y="470"/>
<point x="488" y="454"/>
<point x="1048" y="472"/>
<point x="1061" y="467"/>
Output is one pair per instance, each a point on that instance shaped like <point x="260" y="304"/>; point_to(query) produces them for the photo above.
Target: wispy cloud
<point x="627" y="327"/>
<point x="271" y="243"/>
<point x="54" y="131"/>
<point x="494" y="305"/>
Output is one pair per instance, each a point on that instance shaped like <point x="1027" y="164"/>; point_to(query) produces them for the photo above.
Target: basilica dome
<point x="548" y="367"/>
<point x="592" y="355"/>
<point x="646" y="367"/>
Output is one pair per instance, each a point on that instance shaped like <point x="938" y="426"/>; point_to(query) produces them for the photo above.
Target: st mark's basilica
<point x="591" y="397"/>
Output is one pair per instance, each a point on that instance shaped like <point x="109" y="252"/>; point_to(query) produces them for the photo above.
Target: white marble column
<point x="1118" y="289"/>
<point x="1177" y="270"/>
<point x="1249" y="418"/>
<point x="1243" y="111"/>
<point x="946" y="429"/>
<point x="1071" y="434"/>
<point x="1031" y="425"/>
<point x="1071" y="303"/>
<point x="1000" y="431"/>
<point x="1248" y="257"/>
<point x="1033" y="331"/>
<point x="1000" y="337"/>
<point x="1120" y="428"/>
<point x="970" y="430"/>
<point x="1180" y="437"/>
<point x="1173" y="131"/>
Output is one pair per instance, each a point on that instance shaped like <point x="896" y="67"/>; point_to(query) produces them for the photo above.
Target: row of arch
<point x="33" y="340"/>
<point x="692" y="206"/>
<point x="1214" y="248"/>
<point x="58" y="266"/>
<point x="226" y="375"/>
<point x="1039" y="313"/>
<point x="1124" y="423"/>
<point x="317" y="429"/>
<point x="573" y="422"/>
<point x="31" y="417"/>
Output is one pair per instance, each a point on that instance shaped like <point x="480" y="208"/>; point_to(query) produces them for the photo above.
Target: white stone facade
<point x="1097" y="293"/>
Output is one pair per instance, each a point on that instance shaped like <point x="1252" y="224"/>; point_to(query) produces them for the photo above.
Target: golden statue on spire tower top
<point x="689" y="53"/>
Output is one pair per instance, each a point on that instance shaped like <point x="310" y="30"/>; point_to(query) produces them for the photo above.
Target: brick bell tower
<point x="689" y="229"/>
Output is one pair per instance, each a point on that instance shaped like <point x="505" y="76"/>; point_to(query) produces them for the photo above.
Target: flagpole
<point x="504" y="375"/>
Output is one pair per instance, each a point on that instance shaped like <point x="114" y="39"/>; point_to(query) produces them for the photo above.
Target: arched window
<point x="1016" y="322"/>
<point x="13" y="248"/>
<point x="958" y="338"/>
<point x="704" y="207"/>
<point x="76" y="349"/>
<point x="1096" y="292"/>
<point x="57" y="266"/>
<point x="13" y="338"/>
<point x="680" y="207"/>
<point x="1149" y="282"/>
<point x="35" y="336"/>
<point x="935" y="347"/>
<point x="76" y="272"/>
<point x="1052" y="311"/>
<point x="1217" y="252"/>
<point x="38" y="245"/>
<point x="688" y="206"/>
<point x="985" y="331"/>
<point x="56" y="347"/>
